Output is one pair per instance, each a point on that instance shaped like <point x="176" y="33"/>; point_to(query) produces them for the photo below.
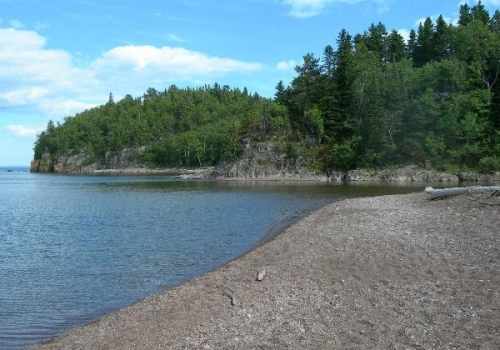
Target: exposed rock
<point x="126" y="158"/>
<point x="78" y="163"/>
<point x="406" y="174"/>
<point x="81" y="162"/>
<point x="260" y="161"/>
<point x="471" y="176"/>
<point x="44" y="165"/>
<point x="264" y="161"/>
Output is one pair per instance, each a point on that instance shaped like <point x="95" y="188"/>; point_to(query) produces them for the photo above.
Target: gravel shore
<point x="390" y="272"/>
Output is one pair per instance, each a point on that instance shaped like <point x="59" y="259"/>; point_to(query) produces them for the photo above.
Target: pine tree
<point x="494" y="24"/>
<point x="396" y="48"/>
<point x="412" y="43"/>
<point x="423" y="52"/>
<point x="306" y="86"/>
<point x="375" y="40"/>
<point x="479" y="13"/>
<point x="329" y="101"/>
<point x="280" y="96"/>
<point x="343" y="59"/>
<point x="465" y="16"/>
<point x="441" y="40"/>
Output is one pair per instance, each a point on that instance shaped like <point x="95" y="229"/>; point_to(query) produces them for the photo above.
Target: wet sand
<point x="390" y="272"/>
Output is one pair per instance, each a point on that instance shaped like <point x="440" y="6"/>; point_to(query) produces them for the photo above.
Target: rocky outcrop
<point x="260" y="161"/>
<point x="77" y="163"/>
<point x="405" y="174"/>
<point x="81" y="162"/>
<point x="264" y="161"/>
<point x="471" y="177"/>
<point x="43" y="165"/>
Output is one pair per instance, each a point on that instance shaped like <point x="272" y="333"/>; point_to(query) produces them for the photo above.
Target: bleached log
<point x="455" y="191"/>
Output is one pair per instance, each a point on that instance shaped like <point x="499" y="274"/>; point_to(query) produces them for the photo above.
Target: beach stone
<point x="336" y="274"/>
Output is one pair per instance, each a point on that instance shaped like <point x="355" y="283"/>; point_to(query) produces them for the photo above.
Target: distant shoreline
<point x="4" y="168"/>
<point x="403" y="174"/>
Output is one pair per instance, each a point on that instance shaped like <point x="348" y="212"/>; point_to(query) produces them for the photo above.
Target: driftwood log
<point x="454" y="191"/>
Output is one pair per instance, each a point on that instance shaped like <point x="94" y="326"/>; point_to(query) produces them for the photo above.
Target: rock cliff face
<point x="82" y="163"/>
<point x="260" y="161"/>
<point x="44" y="165"/>
<point x="264" y="161"/>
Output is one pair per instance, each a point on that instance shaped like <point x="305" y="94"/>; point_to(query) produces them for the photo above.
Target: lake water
<point x="73" y="248"/>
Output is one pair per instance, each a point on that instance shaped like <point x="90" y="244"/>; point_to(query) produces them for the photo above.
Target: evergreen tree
<point x="329" y="101"/>
<point x="280" y="96"/>
<point x="371" y="101"/>
<point x="306" y="87"/>
<point x="495" y="22"/>
<point x="465" y="16"/>
<point x="424" y="49"/>
<point x="375" y="40"/>
<point x="328" y="62"/>
<point x="441" y="40"/>
<point x="412" y="44"/>
<point x="343" y="58"/>
<point x="396" y="48"/>
<point x="479" y="13"/>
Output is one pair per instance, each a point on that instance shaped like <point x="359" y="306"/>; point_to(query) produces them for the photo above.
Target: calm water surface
<point x="73" y="248"/>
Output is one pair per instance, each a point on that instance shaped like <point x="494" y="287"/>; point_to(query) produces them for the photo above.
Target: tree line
<point x="178" y="127"/>
<point x="374" y="100"/>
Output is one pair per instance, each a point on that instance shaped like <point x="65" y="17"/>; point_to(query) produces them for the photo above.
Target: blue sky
<point x="59" y="57"/>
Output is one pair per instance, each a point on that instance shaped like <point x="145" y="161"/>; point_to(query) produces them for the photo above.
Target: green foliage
<point x="344" y="156"/>
<point x="179" y="127"/>
<point x="371" y="101"/>
<point x="381" y="109"/>
<point x="489" y="164"/>
<point x="315" y="120"/>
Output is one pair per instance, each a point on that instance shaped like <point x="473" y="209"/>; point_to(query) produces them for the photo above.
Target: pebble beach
<point x="389" y="272"/>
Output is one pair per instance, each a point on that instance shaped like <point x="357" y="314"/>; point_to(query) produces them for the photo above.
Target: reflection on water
<point x="73" y="248"/>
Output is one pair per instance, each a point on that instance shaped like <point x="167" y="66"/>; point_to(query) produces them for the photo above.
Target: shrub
<point x="489" y="164"/>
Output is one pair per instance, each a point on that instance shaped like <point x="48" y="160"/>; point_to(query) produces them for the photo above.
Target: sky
<point x="60" y="57"/>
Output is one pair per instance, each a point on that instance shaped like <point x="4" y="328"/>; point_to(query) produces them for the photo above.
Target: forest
<point x="371" y="100"/>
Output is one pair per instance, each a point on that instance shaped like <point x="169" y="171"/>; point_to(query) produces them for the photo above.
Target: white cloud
<point x="23" y="96"/>
<point x="286" y="65"/>
<point x="25" y="61"/>
<point x="25" y="131"/>
<point x="68" y="107"/>
<point x="38" y="83"/>
<point x="47" y="81"/>
<point x="10" y="39"/>
<point x="34" y="76"/>
<point x="310" y="8"/>
<point x="175" y="63"/>
<point x="405" y="33"/>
